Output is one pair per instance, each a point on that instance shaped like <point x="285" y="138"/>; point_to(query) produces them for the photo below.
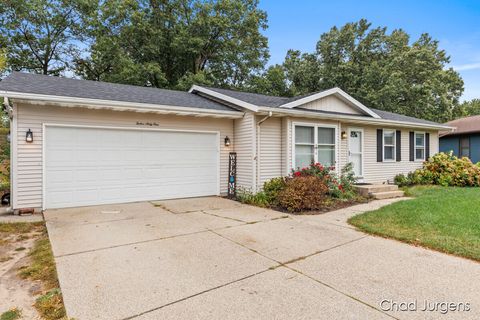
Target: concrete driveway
<point x="211" y="258"/>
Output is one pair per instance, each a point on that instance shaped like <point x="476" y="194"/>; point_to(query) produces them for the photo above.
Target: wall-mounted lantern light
<point x="29" y="136"/>
<point x="227" y="141"/>
<point x="344" y="135"/>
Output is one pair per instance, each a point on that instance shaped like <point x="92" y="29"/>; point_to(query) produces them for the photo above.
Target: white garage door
<point x="89" y="166"/>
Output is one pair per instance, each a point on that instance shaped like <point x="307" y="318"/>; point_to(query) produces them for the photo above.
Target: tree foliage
<point x="384" y="71"/>
<point x="3" y="61"/>
<point x="174" y="43"/>
<point x="271" y="82"/>
<point x="39" y="34"/>
<point x="468" y="108"/>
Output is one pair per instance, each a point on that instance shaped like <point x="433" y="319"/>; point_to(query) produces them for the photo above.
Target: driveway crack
<point x="286" y="265"/>
<point x="196" y="294"/>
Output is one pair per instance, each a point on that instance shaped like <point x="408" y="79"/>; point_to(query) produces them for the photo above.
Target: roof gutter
<point x="354" y="119"/>
<point x="118" y="105"/>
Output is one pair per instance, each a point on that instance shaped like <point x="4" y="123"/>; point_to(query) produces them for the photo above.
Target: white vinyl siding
<point x="379" y="172"/>
<point x="331" y="104"/>
<point x="270" y="150"/>
<point x="27" y="183"/>
<point x="244" y="146"/>
<point x="285" y="146"/>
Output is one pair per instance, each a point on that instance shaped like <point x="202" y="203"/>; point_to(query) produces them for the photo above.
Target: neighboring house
<point x="464" y="141"/>
<point x="77" y="142"/>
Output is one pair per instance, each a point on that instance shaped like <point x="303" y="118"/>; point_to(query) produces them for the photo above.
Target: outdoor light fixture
<point x="344" y="135"/>
<point x="29" y="136"/>
<point x="227" y="141"/>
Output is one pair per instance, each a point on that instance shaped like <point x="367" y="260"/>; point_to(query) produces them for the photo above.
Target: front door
<point x="355" y="150"/>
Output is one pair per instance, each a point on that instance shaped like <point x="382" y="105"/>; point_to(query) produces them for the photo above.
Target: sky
<point x="454" y="23"/>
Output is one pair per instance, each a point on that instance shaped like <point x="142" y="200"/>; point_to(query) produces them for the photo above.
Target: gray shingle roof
<point x="49" y="85"/>
<point x="261" y="100"/>
<point x="274" y="101"/>
<point x="400" y="117"/>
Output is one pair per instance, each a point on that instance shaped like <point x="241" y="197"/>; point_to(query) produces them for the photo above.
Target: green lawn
<point x="446" y="219"/>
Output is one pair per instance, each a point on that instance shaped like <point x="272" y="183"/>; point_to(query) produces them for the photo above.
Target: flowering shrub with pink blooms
<point x="315" y="187"/>
<point x="339" y="186"/>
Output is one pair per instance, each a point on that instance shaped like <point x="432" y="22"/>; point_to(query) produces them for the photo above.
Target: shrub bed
<point x="443" y="169"/>
<point x="315" y="187"/>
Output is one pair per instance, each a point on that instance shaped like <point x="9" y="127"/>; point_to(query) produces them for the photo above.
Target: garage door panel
<point x="101" y="166"/>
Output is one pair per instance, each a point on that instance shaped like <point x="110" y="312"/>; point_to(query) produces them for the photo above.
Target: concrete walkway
<point x="211" y="258"/>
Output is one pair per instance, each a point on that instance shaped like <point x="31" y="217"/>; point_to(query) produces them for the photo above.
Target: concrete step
<point x="387" y="194"/>
<point x="368" y="189"/>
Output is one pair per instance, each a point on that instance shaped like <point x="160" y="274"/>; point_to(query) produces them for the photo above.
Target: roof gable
<point x="350" y="104"/>
<point x="331" y="104"/>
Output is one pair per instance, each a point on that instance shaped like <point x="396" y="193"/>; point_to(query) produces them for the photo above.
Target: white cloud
<point x="468" y="66"/>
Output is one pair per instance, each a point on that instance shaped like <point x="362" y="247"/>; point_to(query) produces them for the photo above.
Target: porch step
<point x="387" y="194"/>
<point x="370" y="189"/>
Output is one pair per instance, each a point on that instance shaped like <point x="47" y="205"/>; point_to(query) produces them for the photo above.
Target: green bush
<point x="258" y="199"/>
<point x="303" y="193"/>
<point x="444" y="169"/>
<point x="271" y="188"/>
<point x="402" y="180"/>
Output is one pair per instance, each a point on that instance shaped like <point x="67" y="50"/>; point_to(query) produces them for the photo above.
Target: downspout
<point x="259" y="123"/>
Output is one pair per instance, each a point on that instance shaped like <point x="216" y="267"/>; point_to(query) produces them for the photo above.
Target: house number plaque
<point x="148" y="124"/>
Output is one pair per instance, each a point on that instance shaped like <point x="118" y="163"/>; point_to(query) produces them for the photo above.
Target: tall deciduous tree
<point x="468" y="108"/>
<point x="172" y="43"/>
<point x="272" y="82"/>
<point x="39" y="34"/>
<point x="382" y="70"/>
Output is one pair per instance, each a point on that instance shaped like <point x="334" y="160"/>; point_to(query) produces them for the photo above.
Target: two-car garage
<point x="103" y="165"/>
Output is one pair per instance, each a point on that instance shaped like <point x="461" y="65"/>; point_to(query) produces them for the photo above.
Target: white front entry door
<point x="91" y="166"/>
<point x="355" y="150"/>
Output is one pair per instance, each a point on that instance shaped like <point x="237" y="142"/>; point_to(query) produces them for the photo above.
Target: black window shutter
<point x="412" y="146"/>
<point x="398" y="144"/>
<point x="427" y="146"/>
<point x="379" y="145"/>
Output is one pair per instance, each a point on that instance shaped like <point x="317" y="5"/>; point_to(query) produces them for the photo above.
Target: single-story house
<point x="464" y="141"/>
<point x="78" y="142"/>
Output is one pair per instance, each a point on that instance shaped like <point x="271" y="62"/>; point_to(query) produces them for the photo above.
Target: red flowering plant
<point x="339" y="186"/>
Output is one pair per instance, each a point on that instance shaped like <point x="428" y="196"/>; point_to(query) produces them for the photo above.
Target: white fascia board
<point x="224" y="97"/>
<point x="117" y="105"/>
<point x="353" y="119"/>
<point x="333" y="91"/>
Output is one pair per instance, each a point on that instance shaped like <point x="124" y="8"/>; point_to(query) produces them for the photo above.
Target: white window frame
<point x="390" y="145"/>
<point x="315" y="127"/>
<point x="415" y="147"/>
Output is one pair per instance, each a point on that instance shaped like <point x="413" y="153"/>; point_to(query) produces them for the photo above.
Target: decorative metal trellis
<point x="232" y="174"/>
